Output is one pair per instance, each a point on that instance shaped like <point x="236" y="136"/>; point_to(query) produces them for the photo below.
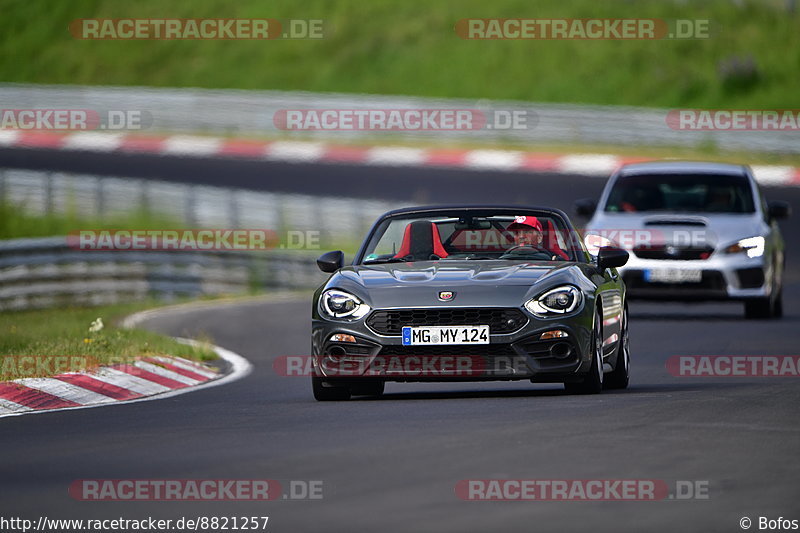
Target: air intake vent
<point x="676" y="222"/>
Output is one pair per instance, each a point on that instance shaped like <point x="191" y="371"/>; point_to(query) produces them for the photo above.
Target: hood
<point x="478" y="283"/>
<point x="715" y="229"/>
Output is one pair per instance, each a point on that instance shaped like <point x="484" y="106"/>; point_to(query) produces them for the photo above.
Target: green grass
<point x="16" y="222"/>
<point x="410" y="47"/>
<point x="62" y="337"/>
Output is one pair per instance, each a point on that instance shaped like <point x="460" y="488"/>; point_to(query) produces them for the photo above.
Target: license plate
<point x="425" y="335"/>
<point x="673" y="275"/>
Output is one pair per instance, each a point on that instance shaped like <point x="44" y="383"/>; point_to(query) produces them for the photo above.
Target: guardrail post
<point x="233" y="209"/>
<point x="190" y="214"/>
<point x="144" y="196"/>
<point x="48" y="193"/>
<point x="100" y="197"/>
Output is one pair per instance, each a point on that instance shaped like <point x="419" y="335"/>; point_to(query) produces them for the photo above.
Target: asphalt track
<point x="392" y="464"/>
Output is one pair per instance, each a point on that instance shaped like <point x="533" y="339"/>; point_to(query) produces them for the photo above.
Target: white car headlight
<point x="754" y="246"/>
<point x="558" y="301"/>
<point x="335" y="303"/>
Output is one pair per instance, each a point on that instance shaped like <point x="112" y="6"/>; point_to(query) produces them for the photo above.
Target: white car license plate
<point x="424" y="335"/>
<point x="673" y="275"/>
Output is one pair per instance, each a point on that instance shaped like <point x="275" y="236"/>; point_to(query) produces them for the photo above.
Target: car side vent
<point x="676" y="222"/>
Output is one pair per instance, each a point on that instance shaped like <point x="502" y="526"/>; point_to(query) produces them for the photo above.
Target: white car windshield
<point x="699" y="193"/>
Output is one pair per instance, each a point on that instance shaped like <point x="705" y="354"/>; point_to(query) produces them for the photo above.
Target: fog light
<point x="561" y="350"/>
<point x="342" y="337"/>
<point x="555" y="334"/>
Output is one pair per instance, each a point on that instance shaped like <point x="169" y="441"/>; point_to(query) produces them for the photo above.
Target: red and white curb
<point x="599" y="165"/>
<point x="148" y="378"/>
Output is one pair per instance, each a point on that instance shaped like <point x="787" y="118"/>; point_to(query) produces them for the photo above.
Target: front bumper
<point x="520" y="354"/>
<point x="724" y="277"/>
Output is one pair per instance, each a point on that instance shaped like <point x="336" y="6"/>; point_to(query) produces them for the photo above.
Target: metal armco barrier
<point x="239" y="112"/>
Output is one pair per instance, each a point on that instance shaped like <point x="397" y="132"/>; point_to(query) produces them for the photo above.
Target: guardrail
<point x="337" y="220"/>
<point x="46" y="272"/>
<point x="239" y="112"/>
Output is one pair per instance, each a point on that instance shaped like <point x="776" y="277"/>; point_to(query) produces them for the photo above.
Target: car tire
<point x="328" y="394"/>
<point x="620" y="376"/>
<point x="769" y="307"/>
<point x="371" y="388"/>
<point x="593" y="381"/>
<point x="777" y="310"/>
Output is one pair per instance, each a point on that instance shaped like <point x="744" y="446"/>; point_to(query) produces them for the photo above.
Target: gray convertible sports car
<point x="470" y="293"/>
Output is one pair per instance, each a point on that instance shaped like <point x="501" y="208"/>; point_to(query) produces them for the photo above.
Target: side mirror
<point x="779" y="210"/>
<point x="611" y="257"/>
<point x="331" y="261"/>
<point x="585" y="207"/>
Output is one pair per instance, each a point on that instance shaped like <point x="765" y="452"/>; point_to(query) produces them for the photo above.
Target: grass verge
<point x="16" y="222"/>
<point x="60" y="340"/>
<point x="390" y="47"/>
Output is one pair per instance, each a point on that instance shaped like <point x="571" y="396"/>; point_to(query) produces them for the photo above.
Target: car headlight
<point x="754" y="246"/>
<point x="558" y="301"/>
<point x="335" y="303"/>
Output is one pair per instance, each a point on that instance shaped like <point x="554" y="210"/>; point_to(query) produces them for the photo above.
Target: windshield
<point x="438" y="237"/>
<point x="700" y="193"/>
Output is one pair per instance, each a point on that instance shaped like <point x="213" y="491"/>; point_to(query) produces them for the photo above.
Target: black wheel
<point x="328" y="394"/>
<point x="369" y="388"/>
<point x="758" y="308"/>
<point x="593" y="381"/>
<point x="777" y="310"/>
<point x="769" y="307"/>
<point x="620" y="376"/>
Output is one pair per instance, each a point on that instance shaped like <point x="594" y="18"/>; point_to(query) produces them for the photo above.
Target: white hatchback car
<point x="695" y="231"/>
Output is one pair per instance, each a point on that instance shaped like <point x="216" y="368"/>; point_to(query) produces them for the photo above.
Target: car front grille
<point x="458" y="361"/>
<point x="467" y="350"/>
<point x="675" y="253"/>
<point x="500" y="320"/>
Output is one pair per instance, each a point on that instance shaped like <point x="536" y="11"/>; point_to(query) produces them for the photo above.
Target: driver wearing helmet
<point x="527" y="236"/>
